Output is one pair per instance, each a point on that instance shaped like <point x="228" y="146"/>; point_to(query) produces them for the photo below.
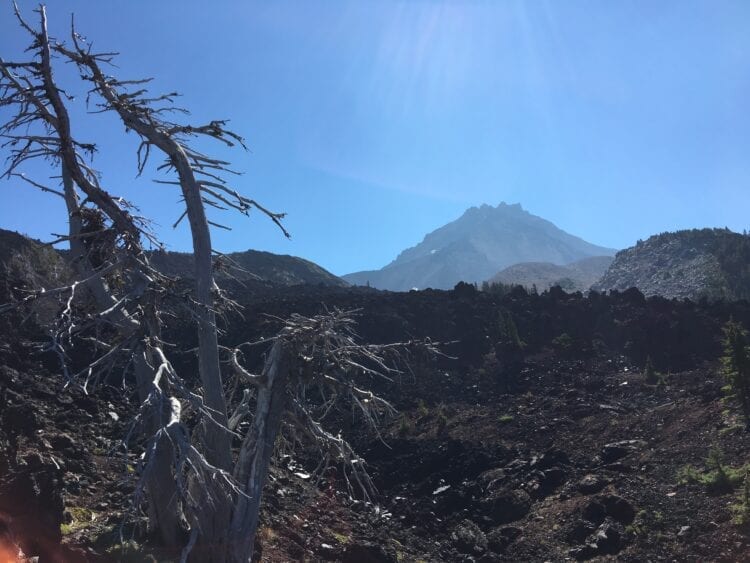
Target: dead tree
<point x="40" y="128"/>
<point x="205" y="479"/>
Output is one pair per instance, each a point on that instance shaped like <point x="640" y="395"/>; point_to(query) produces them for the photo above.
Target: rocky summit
<point x="475" y="247"/>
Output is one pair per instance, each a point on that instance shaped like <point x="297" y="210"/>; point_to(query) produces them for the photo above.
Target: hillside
<point x="252" y="265"/>
<point x="477" y="245"/>
<point x="27" y="263"/>
<point x="578" y="276"/>
<point x="40" y="264"/>
<point x="712" y="263"/>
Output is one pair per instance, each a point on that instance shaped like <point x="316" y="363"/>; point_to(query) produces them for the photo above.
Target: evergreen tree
<point x="649" y="373"/>
<point x="736" y="364"/>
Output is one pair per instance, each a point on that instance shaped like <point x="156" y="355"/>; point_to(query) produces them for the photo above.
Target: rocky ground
<point x="565" y="453"/>
<point x="584" y="463"/>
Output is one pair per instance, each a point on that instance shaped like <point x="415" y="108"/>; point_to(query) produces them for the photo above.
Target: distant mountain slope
<point x="578" y="276"/>
<point x="38" y="263"/>
<point x="26" y="263"/>
<point x="475" y="247"/>
<point x="252" y="264"/>
<point x="685" y="264"/>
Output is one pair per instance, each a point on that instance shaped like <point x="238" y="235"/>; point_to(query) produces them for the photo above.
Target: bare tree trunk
<point x="213" y="519"/>
<point x="255" y="455"/>
<point x="160" y="483"/>
<point x="217" y="439"/>
<point x="163" y="506"/>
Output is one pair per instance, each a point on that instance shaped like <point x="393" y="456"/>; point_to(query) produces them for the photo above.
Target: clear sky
<point x="374" y="122"/>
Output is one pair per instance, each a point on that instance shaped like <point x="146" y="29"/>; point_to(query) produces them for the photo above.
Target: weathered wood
<point x="255" y="454"/>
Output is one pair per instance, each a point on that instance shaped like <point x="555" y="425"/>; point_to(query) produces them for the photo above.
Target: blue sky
<point x="374" y="122"/>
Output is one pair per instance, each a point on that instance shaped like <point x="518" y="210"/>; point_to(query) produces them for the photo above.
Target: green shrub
<point x="741" y="510"/>
<point x="662" y="378"/>
<point x="736" y="365"/>
<point x="644" y="522"/>
<point x="498" y="289"/>
<point x="719" y="478"/>
<point x="79" y="518"/>
<point x="566" y="284"/>
<point x="509" y="331"/>
<point x="563" y="343"/>
<point x="689" y="475"/>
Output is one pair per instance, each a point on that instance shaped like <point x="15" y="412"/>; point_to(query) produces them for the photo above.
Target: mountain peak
<point x="514" y="206"/>
<point x="485" y="208"/>
<point x="474" y="247"/>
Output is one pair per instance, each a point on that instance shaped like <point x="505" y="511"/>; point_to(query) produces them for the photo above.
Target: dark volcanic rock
<point x="608" y="538"/>
<point x="577" y="531"/>
<point x="584" y="552"/>
<point x="594" y="512"/>
<point x="469" y="451"/>
<point x="500" y="538"/>
<point x="506" y="506"/>
<point x="469" y="538"/>
<point x="618" y="508"/>
<point x="591" y="484"/>
<point x="617" y="450"/>
<point x="550" y="458"/>
<point x="368" y="553"/>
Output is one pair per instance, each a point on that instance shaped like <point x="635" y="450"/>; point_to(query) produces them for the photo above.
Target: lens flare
<point x="8" y="555"/>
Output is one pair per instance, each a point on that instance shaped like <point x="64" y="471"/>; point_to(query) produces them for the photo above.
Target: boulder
<point x="505" y="506"/>
<point x="591" y="483"/>
<point x="550" y="458"/>
<point x="619" y="509"/>
<point x="577" y="531"/>
<point x="492" y="479"/>
<point x="584" y="552"/>
<point x="594" y="512"/>
<point x="617" y="450"/>
<point x="500" y="538"/>
<point x="608" y="538"/>
<point x="368" y="553"/>
<point x="469" y="538"/>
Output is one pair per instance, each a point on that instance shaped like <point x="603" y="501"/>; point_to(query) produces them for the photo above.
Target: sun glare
<point x="7" y="555"/>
